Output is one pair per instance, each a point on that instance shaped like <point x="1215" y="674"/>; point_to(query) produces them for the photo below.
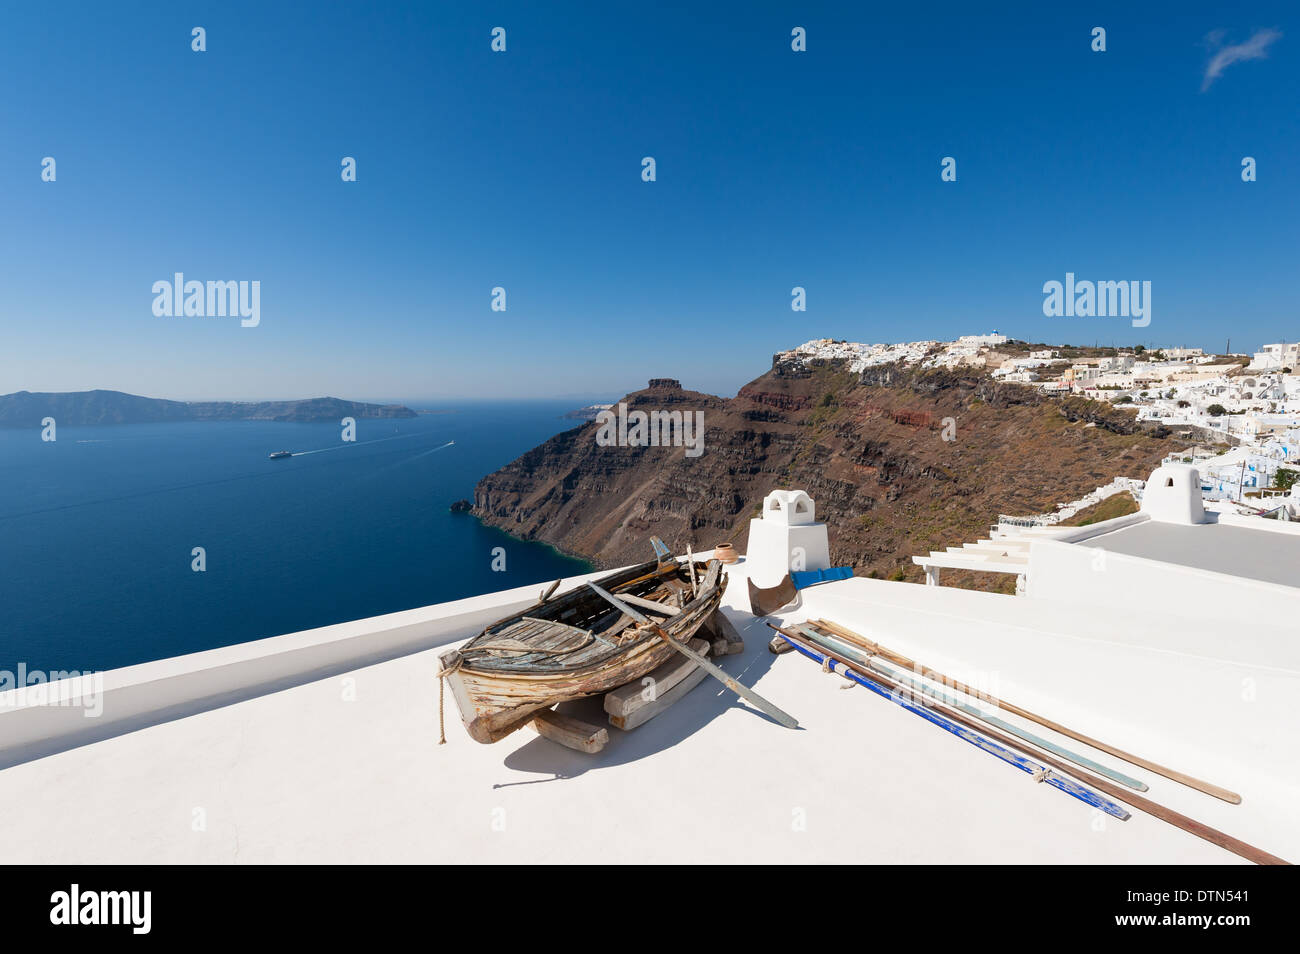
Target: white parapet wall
<point x="39" y="721"/>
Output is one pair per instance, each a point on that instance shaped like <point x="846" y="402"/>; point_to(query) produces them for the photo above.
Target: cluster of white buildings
<point x="1255" y="407"/>
<point x="1246" y="469"/>
<point x="859" y="356"/>
<point x="966" y="350"/>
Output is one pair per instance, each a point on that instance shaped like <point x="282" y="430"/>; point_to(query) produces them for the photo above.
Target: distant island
<point x="76" y="408"/>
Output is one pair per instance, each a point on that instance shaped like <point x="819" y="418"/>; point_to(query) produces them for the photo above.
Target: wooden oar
<point x="865" y="658"/>
<point x="934" y="715"/>
<point x="900" y="659"/>
<point x="1177" y="819"/>
<point x="749" y="695"/>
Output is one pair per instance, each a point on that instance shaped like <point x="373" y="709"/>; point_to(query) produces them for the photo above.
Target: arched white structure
<point x="1173" y="495"/>
<point x="792" y="507"/>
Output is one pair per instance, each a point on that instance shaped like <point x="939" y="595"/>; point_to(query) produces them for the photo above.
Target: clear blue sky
<point x="522" y="169"/>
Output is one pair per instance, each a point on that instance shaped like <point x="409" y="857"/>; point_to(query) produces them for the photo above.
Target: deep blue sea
<point x="97" y="530"/>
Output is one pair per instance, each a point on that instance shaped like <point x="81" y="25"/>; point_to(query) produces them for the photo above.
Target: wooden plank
<point x="570" y="732"/>
<point x="651" y="605"/>
<point x="711" y="576"/>
<point x="625" y="700"/>
<point x="900" y="660"/>
<point x="923" y="692"/>
<point x="647" y="712"/>
<point x="1190" y="825"/>
<point x="986" y="740"/>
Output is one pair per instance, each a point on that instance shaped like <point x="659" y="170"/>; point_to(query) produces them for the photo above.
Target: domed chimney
<point x="1173" y="495"/>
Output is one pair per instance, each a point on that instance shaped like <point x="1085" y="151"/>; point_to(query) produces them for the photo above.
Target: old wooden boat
<point x="577" y="644"/>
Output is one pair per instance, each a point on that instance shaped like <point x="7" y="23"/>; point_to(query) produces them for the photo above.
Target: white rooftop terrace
<point x="1220" y="547"/>
<point x="261" y="743"/>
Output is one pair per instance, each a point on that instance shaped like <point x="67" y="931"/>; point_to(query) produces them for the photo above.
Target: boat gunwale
<point x="686" y="619"/>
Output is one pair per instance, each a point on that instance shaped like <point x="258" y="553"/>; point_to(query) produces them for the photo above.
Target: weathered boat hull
<point x="494" y="704"/>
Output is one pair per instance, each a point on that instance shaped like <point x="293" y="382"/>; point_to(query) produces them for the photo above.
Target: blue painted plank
<point x="1067" y="785"/>
<point x="806" y="578"/>
<point x="853" y="654"/>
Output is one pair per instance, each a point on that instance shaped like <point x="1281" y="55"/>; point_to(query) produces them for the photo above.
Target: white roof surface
<point x="301" y="775"/>
<point x="1224" y="548"/>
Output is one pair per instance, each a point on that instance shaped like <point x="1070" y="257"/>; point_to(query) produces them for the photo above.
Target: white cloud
<point x="1256" y="48"/>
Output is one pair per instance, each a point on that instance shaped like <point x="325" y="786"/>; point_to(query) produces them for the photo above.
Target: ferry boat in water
<point x="279" y="454"/>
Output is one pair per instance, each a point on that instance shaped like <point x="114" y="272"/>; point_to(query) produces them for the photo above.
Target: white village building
<point x="983" y="341"/>
<point x="1274" y="357"/>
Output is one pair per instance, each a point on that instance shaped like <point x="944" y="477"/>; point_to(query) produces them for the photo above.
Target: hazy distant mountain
<point x="73" y="408"/>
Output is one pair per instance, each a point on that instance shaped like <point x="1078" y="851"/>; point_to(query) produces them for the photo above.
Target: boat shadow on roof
<point x="692" y="714"/>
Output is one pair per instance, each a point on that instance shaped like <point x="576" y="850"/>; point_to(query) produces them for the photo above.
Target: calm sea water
<point x="97" y="530"/>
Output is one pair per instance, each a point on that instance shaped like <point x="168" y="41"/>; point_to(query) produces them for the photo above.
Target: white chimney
<point x="786" y="538"/>
<point x="1173" y="495"/>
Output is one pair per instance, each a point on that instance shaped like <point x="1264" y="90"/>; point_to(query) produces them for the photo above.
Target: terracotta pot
<point x="725" y="553"/>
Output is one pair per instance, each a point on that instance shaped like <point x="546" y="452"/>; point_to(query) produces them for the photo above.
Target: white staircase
<point x="1005" y="550"/>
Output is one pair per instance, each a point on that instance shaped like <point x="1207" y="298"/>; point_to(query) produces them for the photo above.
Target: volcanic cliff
<point x="899" y="460"/>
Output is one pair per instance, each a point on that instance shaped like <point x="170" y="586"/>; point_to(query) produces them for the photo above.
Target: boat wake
<point x="433" y="450"/>
<point x="378" y="440"/>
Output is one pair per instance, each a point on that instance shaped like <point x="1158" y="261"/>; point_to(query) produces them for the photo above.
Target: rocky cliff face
<point x="898" y="460"/>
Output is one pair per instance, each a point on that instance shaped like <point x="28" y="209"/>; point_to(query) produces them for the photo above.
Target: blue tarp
<point x="806" y="578"/>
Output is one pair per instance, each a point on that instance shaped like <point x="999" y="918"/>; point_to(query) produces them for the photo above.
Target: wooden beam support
<point x="625" y="700"/>
<point x="570" y="732"/>
<point x="647" y="712"/>
<point x="727" y="641"/>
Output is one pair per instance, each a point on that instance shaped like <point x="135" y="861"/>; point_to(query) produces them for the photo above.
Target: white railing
<point x="1066" y="511"/>
<point x="123" y="700"/>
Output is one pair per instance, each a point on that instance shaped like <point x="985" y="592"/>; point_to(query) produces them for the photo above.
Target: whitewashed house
<point x="1274" y="357"/>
